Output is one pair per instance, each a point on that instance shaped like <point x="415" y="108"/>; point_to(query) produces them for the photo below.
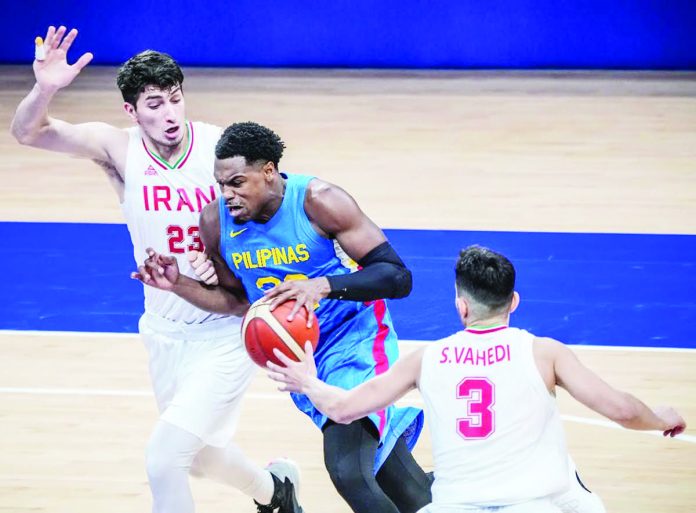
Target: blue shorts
<point x="358" y="349"/>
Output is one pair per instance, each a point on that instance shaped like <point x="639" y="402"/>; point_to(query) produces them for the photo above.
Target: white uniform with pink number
<point x="496" y="431"/>
<point x="198" y="365"/>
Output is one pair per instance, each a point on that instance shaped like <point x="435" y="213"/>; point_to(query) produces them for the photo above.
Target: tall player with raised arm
<point x="162" y="171"/>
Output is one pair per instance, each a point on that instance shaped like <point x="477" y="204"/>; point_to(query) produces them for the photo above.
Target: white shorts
<point x="578" y="499"/>
<point x="534" y="506"/>
<point x="199" y="374"/>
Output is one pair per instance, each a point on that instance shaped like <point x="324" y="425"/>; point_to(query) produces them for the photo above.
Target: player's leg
<point x="230" y="466"/>
<point x="403" y="480"/>
<point x="349" y="456"/>
<point x="578" y="498"/>
<point x="168" y="458"/>
<point x="274" y="486"/>
<point x="203" y="398"/>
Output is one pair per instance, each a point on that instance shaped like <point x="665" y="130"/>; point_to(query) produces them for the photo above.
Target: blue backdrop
<point x="621" y="34"/>
<point x="607" y="289"/>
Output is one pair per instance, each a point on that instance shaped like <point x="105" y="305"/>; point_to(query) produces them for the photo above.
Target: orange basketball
<point x="263" y="330"/>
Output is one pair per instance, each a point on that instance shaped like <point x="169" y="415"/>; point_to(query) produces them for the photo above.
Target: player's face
<point x="246" y="188"/>
<point x="161" y="115"/>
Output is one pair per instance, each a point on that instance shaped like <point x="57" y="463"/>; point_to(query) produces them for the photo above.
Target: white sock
<point x="230" y="466"/>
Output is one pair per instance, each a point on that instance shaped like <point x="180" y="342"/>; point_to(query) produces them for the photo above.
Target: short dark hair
<point x="148" y="68"/>
<point x="486" y="276"/>
<point x="251" y="141"/>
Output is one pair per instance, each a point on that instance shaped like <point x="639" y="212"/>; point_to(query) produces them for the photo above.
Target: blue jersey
<point x="357" y="340"/>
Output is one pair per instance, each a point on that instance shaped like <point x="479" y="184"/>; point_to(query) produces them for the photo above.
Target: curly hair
<point x="148" y="68"/>
<point x="251" y="141"/>
<point x="486" y="276"/>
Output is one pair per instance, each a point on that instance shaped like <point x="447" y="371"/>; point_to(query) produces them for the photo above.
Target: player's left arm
<point x="345" y="406"/>
<point x="227" y="297"/>
<point x="336" y="215"/>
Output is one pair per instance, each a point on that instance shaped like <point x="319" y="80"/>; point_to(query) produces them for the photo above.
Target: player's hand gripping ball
<point x="263" y="330"/>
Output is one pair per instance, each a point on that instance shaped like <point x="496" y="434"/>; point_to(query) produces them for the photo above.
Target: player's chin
<point x="239" y="214"/>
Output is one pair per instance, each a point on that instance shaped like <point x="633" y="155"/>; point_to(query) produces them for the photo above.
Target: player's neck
<point x="274" y="202"/>
<point x="488" y="323"/>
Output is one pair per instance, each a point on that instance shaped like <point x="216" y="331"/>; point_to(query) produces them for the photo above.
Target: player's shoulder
<point x="211" y="212"/>
<point x="210" y="223"/>
<point x="206" y="131"/>
<point x="548" y="348"/>
<point x="326" y="194"/>
<point x="206" y="126"/>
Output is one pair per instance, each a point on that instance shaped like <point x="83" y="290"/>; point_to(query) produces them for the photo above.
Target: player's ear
<point x="515" y="301"/>
<point x="462" y="307"/>
<point x="268" y="170"/>
<point x="130" y="110"/>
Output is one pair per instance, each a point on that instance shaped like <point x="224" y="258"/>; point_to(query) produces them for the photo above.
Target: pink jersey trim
<point x="378" y="352"/>
<point x="182" y="160"/>
<point x="484" y="331"/>
<point x="152" y="156"/>
<point x="188" y="154"/>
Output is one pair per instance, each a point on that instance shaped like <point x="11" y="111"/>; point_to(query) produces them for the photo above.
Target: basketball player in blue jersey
<point x="284" y="236"/>
<point x="162" y="171"/>
<point x="489" y="393"/>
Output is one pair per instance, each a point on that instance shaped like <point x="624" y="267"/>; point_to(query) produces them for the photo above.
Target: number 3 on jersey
<point x="479" y="394"/>
<point x="183" y="239"/>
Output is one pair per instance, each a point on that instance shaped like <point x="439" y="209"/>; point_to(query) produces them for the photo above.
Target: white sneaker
<point x="282" y="468"/>
<point x="286" y="480"/>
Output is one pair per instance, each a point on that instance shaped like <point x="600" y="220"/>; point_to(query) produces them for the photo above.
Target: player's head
<point x="151" y="85"/>
<point x="246" y="167"/>
<point x="485" y="284"/>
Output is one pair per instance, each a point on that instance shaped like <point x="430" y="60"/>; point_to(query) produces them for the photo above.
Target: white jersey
<point x="162" y="205"/>
<point x="496" y="431"/>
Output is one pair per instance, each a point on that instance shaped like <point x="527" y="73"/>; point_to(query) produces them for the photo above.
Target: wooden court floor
<point x="490" y="151"/>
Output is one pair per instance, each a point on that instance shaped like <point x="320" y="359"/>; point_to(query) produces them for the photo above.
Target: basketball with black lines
<point x="263" y="330"/>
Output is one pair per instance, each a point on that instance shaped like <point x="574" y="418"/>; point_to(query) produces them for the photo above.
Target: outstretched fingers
<point x="283" y="358"/>
<point x="83" y="61"/>
<point x="57" y="37"/>
<point x="68" y="40"/>
<point x="50" y="34"/>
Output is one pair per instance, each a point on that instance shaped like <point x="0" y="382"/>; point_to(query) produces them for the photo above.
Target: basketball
<point x="263" y="330"/>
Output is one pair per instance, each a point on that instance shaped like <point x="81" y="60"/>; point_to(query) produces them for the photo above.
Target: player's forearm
<point x="345" y="406"/>
<point x="31" y="115"/>
<point x="210" y="298"/>
<point x="334" y="402"/>
<point x="632" y="413"/>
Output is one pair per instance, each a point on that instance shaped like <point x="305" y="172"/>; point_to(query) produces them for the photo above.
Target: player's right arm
<point x="595" y="393"/>
<point x="32" y="126"/>
<point x="345" y="406"/>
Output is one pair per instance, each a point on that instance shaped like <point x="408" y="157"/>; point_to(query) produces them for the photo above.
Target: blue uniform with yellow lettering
<point x="357" y="340"/>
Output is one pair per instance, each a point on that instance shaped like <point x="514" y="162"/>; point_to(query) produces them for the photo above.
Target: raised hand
<point x="159" y="271"/>
<point x="54" y="72"/>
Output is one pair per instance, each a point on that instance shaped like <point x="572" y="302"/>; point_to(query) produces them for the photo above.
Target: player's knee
<point x="161" y="462"/>
<point x="345" y="474"/>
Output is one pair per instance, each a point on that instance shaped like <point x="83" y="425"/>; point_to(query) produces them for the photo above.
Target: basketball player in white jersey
<point x="497" y="438"/>
<point x="162" y="171"/>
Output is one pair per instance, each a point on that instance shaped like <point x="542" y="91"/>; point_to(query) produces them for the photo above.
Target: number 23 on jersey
<point x="183" y="239"/>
